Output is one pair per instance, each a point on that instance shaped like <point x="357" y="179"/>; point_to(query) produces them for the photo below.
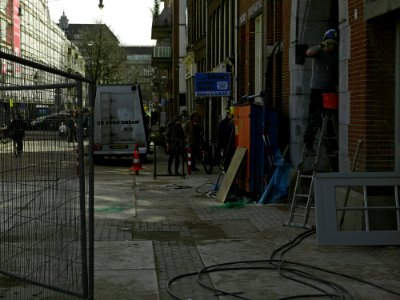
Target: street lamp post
<point x="90" y="60"/>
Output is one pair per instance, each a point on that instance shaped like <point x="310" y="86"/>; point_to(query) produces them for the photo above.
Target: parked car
<point x="50" y="122"/>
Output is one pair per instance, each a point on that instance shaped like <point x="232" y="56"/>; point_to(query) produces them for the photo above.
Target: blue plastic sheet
<point x="278" y="186"/>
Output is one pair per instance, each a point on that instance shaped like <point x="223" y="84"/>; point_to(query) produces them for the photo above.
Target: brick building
<point x="261" y="42"/>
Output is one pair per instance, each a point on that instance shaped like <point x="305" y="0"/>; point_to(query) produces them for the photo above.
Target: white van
<point x="119" y="121"/>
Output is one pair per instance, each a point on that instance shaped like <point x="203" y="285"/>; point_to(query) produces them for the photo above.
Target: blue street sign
<point x="212" y="84"/>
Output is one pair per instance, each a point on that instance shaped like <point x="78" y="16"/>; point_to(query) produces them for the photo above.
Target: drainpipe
<point x="301" y="48"/>
<point x="236" y="51"/>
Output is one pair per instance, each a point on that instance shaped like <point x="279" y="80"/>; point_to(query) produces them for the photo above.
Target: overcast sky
<point x="129" y="20"/>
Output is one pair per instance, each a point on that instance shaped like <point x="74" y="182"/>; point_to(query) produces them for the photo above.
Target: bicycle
<point x="209" y="156"/>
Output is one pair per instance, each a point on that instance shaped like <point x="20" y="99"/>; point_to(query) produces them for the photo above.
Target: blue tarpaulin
<point x="278" y="185"/>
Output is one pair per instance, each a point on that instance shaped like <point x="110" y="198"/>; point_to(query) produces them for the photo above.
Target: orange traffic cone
<point x="137" y="165"/>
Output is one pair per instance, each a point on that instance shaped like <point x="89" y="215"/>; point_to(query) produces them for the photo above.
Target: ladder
<point x="303" y="194"/>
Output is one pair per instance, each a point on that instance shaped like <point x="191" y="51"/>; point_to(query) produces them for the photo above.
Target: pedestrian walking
<point x="17" y="131"/>
<point x="71" y="127"/>
<point x="175" y="138"/>
<point x="62" y="130"/>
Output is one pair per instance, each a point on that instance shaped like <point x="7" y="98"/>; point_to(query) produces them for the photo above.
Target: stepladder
<point x="322" y="158"/>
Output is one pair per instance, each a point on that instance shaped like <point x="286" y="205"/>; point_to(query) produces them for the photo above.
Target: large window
<point x="358" y="208"/>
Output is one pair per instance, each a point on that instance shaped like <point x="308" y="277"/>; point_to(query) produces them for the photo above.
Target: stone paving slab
<point x="112" y="231"/>
<point x="125" y="270"/>
<point x="117" y="255"/>
<point x="126" y="284"/>
<point x="178" y="258"/>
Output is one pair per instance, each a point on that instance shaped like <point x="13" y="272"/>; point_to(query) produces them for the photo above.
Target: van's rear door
<point x="122" y="118"/>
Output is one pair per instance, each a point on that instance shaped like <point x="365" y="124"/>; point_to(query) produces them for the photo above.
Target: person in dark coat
<point x="17" y="131"/>
<point x="71" y="127"/>
<point x="175" y="143"/>
<point x="226" y="139"/>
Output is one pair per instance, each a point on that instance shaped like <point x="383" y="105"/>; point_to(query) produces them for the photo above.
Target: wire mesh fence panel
<point x="44" y="176"/>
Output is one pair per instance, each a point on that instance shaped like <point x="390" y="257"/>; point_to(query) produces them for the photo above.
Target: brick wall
<point x="380" y="104"/>
<point x="285" y="77"/>
<point x="286" y="10"/>
<point x="372" y="89"/>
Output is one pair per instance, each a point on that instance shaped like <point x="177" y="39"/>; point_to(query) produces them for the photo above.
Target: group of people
<point x="190" y="134"/>
<point x="69" y="129"/>
<point x="179" y="135"/>
<point x="18" y="126"/>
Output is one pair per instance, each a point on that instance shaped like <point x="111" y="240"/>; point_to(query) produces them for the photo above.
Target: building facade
<point x="140" y="71"/>
<point x="27" y="31"/>
<point x="263" y="43"/>
<point x="195" y="59"/>
<point x="368" y="80"/>
<point x="210" y="48"/>
<point x="162" y="61"/>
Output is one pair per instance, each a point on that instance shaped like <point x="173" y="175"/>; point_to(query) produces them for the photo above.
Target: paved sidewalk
<point x="151" y="229"/>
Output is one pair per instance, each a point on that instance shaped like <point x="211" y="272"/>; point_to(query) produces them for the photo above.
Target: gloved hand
<point x="328" y="44"/>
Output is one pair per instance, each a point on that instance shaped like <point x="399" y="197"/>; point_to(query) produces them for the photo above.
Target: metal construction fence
<point x="46" y="190"/>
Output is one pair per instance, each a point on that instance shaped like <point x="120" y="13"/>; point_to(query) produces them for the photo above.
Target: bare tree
<point x="105" y="58"/>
